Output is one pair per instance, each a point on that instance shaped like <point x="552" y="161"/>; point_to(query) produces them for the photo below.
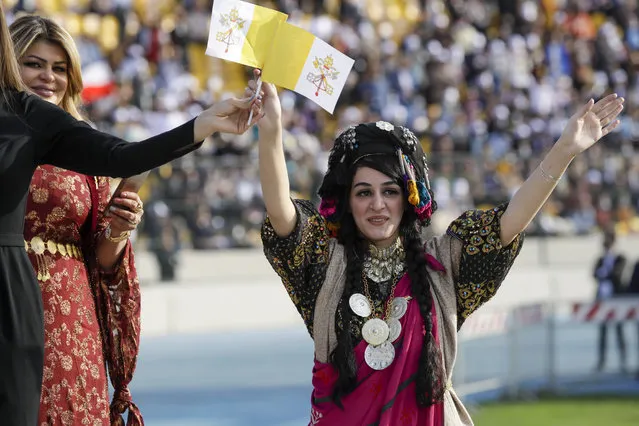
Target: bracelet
<point x="121" y="237"/>
<point x="547" y="175"/>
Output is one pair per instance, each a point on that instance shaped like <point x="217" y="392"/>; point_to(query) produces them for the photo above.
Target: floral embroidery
<point x="301" y="258"/>
<point x="484" y="263"/>
<point x="75" y="389"/>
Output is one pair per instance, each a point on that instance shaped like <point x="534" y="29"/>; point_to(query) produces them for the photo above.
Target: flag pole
<point x="257" y="91"/>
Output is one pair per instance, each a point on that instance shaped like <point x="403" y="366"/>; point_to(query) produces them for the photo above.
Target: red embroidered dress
<point x="91" y="320"/>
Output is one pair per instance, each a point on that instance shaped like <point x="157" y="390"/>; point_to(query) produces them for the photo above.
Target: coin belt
<point x="39" y="247"/>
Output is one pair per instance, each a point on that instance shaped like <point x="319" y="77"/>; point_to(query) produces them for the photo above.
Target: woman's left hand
<point x="592" y="122"/>
<point x="126" y="213"/>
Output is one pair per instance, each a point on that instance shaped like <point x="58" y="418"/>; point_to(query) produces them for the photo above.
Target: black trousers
<point x="621" y="343"/>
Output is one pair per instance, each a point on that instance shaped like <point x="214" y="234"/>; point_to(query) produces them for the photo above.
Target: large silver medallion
<point x="394" y="329"/>
<point x="360" y="305"/>
<point x="379" y="357"/>
<point x="398" y="307"/>
<point x="375" y="331"/>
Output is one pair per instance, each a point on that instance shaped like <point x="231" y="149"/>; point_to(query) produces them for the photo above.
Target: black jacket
<point x="614" y="275"/>
<point x="633" y="285"/>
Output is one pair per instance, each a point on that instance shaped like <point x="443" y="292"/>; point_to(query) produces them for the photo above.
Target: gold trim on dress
<point x="39" y="247"/>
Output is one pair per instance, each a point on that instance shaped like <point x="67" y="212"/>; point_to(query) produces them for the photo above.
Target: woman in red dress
<point x="82" y="258"/>
<point x="33" y="132"/>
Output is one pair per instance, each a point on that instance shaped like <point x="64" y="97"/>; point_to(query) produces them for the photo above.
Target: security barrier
<point x="510" y="352"/>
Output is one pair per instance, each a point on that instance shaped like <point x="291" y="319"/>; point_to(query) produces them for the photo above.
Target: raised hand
<point x="592" y="122"/>
<point x="271" y="109"/>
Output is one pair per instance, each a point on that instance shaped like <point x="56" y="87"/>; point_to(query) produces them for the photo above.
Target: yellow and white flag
<point x="242" y="32"/>
<point x="304" y="63"/>
<point x="289" y="56"/>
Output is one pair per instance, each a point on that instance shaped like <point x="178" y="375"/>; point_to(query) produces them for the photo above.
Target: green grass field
<point x="579" y="411"/>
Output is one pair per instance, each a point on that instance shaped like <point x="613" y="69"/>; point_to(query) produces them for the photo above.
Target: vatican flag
<point x="299" y="61"/>
<point x="242" y="32"/>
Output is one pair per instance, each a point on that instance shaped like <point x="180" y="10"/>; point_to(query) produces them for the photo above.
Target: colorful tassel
<point x="413" y="194"/>
<point x="424" y="194"/>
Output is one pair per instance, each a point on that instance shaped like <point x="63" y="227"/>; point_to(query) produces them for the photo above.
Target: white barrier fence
<point x="616" y="310"/>
<point x="540" y="345"/>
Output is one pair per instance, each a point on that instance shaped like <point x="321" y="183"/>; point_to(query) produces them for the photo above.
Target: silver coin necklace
<point x="377" y="332"/>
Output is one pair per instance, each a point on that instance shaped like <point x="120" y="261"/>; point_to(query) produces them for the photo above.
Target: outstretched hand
<point x="592" y="122"/>
<point x="231" y="115"/>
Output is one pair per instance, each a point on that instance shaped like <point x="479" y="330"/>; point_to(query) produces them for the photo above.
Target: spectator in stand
<point x="475" y="80"/>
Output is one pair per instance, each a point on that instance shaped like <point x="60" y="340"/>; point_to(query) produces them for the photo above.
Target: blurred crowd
<point x="487" y="86"/>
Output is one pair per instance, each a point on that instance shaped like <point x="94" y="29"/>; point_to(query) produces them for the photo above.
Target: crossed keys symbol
<point x="233" y="23"/>
<point x="326" y="71"/>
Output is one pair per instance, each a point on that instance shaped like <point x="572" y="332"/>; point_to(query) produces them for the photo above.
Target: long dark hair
<point x="429" y="384"/>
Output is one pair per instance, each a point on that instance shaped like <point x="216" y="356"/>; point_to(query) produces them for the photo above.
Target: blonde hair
<point x="9" y="71"/>
<point x="29" y="29"/>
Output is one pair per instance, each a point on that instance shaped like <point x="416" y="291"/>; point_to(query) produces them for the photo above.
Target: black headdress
<point x="369" y="139"/>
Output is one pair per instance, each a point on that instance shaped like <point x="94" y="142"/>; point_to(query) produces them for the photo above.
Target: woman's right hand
<point x="271" y="121"/>
<point x="228" y="116"/>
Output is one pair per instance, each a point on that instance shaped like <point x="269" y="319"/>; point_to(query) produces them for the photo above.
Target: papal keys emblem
<point x="233" y="24"/>
<point x="325" y="72"/>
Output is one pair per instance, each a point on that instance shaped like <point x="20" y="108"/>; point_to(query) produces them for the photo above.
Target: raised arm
<point x="73" y="145"/>
<point x="273" y="172"/>
<point x="584" y="129"/>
